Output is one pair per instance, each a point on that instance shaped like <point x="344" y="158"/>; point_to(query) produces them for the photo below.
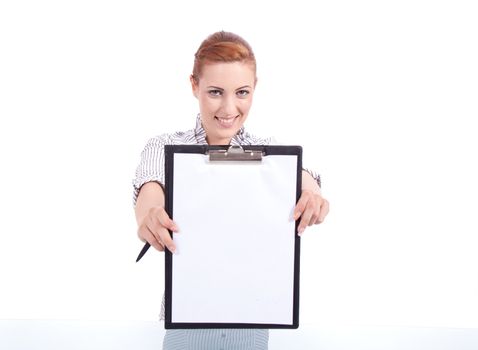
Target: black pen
<point x="143" y="251"/>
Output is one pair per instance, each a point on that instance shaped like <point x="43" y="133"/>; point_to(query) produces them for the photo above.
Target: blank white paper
<point x="235" y="249"/>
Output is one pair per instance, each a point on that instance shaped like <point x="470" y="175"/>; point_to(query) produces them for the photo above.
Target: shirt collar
<point x="200" y="134"/>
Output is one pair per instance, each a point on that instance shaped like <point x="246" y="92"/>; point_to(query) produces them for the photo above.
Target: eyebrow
<point x="218" y="88"/>
<point x="243" y="87"/>
<point x="215" y="87"/>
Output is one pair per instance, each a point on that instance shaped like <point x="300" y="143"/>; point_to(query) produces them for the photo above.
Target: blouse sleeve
<point x="151" y="165"/>
<point x="315" y="175"/>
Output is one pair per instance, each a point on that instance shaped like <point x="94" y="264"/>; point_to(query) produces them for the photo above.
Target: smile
<point x="226" y="122"/>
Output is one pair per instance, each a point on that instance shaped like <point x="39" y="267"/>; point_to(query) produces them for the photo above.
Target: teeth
<point x="226" y="121"/>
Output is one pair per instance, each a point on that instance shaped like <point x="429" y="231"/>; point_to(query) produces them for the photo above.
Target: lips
<point x="225" y="122"/>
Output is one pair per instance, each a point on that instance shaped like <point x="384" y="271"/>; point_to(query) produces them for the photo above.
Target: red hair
<point x="222" y="47"/>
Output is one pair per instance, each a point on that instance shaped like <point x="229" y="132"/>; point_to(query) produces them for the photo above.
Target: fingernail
<point x="172" y="250"/>
<point x="300" y="231"/>
<point x="296" y="216"/>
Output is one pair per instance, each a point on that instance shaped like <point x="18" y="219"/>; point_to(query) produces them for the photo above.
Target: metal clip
<point x="234" y="153"/>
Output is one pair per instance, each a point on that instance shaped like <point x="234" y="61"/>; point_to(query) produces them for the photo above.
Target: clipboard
<point x="237" y="263"/>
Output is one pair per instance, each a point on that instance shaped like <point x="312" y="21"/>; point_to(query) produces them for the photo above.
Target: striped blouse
<point x="151" y="166"/>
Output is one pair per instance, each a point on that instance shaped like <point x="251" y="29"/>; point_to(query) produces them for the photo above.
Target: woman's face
<point x="224" y="92"/>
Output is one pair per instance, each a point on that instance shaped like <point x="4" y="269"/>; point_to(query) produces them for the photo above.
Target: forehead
<point x="227" y="74"/>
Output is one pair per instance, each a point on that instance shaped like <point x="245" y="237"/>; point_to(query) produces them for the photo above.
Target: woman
<point x="223" y="81"/>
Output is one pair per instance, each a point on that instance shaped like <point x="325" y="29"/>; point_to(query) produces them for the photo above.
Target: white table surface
<point x="133" y="335"/>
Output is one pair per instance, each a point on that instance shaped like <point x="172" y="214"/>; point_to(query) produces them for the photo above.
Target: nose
<point x="229" y="107"/>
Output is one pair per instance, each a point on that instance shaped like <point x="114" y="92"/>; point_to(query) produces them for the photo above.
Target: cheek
<point x="208" y="105"/>
<point x="245" y="105"/>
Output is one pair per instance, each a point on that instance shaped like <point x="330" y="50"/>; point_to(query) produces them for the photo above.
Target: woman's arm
<point x="309" y="183"/>
<point x="312" y="207"/>
<point x="153" y="221"/>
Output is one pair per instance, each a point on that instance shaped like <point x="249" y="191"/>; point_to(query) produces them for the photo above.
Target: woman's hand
<point x="312" y="208"/>
<point x="154" y="229"/>
<point x="153" y="221"/>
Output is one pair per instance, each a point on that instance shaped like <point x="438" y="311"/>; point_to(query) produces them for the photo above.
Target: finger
<point x="324" y="210"/>
<point x="149" y="237"/>
<point x="314" y="218"/>
<point x="167" y="240"/>
<point x="300" y="206"/>
<point x="315" y="209"/>
<point x="161" y="233"/>
<point x="305" y="219"/>
<point x="165" y="221"/>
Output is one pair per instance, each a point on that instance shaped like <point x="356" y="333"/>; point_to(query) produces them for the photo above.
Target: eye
<point x="242" y="93"/>
<point x="214" y="92"/>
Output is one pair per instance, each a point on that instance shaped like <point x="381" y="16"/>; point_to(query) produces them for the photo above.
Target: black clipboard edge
<point x="297" y="245"/>
<point x="168" y="205"/>
<point x="169" y="151"/>
<point x="185" y="325"/>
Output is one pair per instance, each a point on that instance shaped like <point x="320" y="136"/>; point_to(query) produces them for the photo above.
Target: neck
<point x="216" y="142"/>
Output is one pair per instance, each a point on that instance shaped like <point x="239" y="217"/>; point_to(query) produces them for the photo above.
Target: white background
<point x="381" y="95"/>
